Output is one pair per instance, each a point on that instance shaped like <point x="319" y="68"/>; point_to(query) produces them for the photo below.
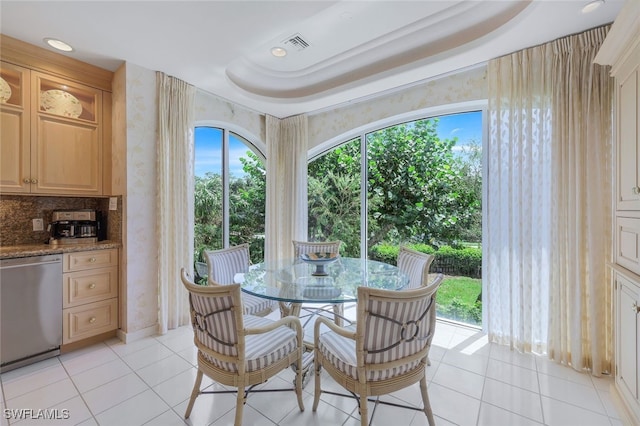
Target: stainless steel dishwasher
<point x="30" y="310"/>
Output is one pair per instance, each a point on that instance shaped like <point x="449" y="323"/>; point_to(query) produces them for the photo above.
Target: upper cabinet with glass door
<point x="14" y="128"/>
<point x="61" y="98"/>
<point x="66" y="137"/>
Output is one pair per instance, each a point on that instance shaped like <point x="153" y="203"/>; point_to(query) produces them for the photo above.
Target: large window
<point x="417" y="183"/>
<point x="229" y="192"/>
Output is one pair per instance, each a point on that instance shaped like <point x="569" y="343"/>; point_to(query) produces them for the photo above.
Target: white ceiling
<point x="355" y="48"/>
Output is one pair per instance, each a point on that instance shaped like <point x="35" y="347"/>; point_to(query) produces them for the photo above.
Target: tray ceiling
<point x="337" y="51"/>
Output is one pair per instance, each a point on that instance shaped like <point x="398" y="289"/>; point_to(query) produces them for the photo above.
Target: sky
<point x="208" y="142"/>
<point x="465" y="126"/>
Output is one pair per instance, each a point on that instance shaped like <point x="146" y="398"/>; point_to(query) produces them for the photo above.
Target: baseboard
<point x="87" y="342"/>
<point x="626" y="416"/>
<point x="137" y="335"/>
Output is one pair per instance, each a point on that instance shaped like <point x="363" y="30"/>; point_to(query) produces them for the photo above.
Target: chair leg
<point x="317" y="391"/>
<point x="425" y="401"/>
<point x="364" y="411"/>
<point x="240" y="400"/>
<point x="299" y="381"/>
<point x="194" y="394"/>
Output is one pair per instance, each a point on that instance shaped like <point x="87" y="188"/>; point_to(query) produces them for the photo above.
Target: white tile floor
<point x="149" y="382"/>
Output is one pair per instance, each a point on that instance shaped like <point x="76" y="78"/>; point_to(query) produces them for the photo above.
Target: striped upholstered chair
<point x="224" y="264"/>
<point x="239" y="350"/>
<point x="305" y="247"/>
<point x="416" y="265"/>
<point x="385" y="351"/>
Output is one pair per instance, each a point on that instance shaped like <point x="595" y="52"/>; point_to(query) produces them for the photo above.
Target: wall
<point x="341" y="123"/>
<point x="135" y="122"/>
<point x="212" y="110"/>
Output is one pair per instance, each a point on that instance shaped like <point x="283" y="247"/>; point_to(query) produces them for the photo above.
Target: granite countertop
<point x="9" y="252"/>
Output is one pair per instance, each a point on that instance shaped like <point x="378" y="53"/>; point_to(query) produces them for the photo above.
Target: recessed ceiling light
<point x="58" y="44"/>
<point x="591" y="6"/>
<point x="278" y="52"/>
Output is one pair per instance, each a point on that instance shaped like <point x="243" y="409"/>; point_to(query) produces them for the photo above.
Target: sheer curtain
<point x="580" y="304"/>
<point x="286" y="209"/>
<point x="547" y="289"/>
<point x="175" y="198"/>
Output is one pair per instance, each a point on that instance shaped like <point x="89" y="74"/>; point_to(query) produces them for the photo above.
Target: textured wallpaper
<point x="141" y="259"/>
<point x="457" y="88"/>
<point x="212" y="110"/>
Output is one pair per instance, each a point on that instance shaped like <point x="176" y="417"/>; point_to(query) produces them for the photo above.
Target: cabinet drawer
<point x="80" y="261"/>
<point x="628" y="243"/>
<point x="89" y="286"/>
<point x="89" y="320"/>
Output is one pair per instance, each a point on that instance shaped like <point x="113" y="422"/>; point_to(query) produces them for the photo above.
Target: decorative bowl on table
<point x="320" y="260"/>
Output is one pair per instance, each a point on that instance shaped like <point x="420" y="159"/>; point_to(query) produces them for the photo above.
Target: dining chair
<point x="224" y="264"/>
<point x="385" y="351"/>
<point x="416" y="265"/>
<point x="237" y="350"/>
<point x="306" y="247"/>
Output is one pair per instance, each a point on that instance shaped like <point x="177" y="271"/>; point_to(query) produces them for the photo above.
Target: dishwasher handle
<point x="29" y="261"/>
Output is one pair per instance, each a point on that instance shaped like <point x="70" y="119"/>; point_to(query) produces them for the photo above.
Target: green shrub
<point x="458" y="261"/>
<point x="385" y="253"/>
<point x="465" y="261"/>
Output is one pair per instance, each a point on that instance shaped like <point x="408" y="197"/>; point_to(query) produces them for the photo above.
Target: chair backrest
<point x="223" y="264"/>
<point x="303" y="247"/>
<point x="416" y="265"/>
<point x="216" y="317"/>
<point x="394" y="327"/>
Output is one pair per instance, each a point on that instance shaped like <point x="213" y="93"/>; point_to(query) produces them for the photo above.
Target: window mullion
<point x="225" y="190"/>
<point x="364" y="205"/>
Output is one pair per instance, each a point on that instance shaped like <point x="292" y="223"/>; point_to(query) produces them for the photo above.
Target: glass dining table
<point x="319" y="282"/>
<point x="305" y="283"/>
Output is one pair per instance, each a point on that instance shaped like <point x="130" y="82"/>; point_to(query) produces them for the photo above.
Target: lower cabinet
<point x="627" y="316"/>
<point x="90" y="294"/>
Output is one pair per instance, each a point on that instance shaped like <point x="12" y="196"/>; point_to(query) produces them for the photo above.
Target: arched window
<point x="416" y="183"/>
<point x="229" y="192"/>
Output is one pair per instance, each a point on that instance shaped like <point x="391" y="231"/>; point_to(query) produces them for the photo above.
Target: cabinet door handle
<point x="92" y="320"/>
<point x="92" y="286"/>
<point x="92" y="260"/>
<point x="34" y="180"/>
<point x="635" y="190"/>
<point x="635" y="307"/>
<point x="26" y="180"/>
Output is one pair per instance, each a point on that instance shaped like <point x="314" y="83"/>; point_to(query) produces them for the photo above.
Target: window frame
<point x="253" y="143"/>
<point x="362" y="131"/>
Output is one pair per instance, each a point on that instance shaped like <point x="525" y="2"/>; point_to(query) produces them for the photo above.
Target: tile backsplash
<point x="18" y="211"/>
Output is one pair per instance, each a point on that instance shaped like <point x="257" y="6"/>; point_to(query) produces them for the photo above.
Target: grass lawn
<point x="457" y="298"/>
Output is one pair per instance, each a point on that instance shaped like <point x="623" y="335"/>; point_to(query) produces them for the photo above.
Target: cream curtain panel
<point x="547" y="288"/>
<point x="286" y="209"/>
<point x="175" y="197"/>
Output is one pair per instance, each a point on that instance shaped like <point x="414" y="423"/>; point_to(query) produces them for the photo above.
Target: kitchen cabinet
<point x="628" y="161"/>
<point x="90" y="294"/>
<point x="627" y="339"/>
<point x="15" y="114"/>
<point x="621" y="50"/>
<point x="627" y="239"/>
<point x="66" y="143"/>
<point x="56" y="124"/>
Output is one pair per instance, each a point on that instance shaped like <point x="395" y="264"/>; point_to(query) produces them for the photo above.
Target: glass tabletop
<point x="331" y="281"/>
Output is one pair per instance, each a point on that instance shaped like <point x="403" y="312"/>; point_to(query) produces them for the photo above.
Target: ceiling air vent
<point x="297" y="42"/>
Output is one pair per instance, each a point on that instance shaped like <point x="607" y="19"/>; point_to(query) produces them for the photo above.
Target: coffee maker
<point x="77" y="227"/>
